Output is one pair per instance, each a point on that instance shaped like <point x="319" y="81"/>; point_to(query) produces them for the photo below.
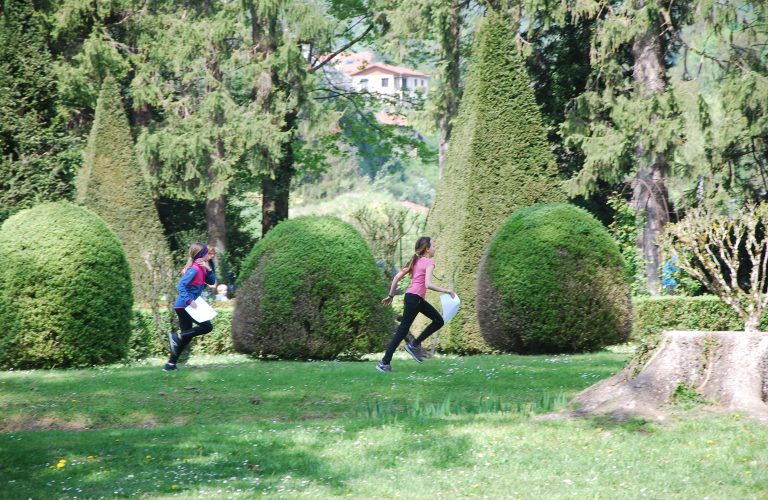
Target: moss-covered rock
<point x="311" y="289"/>
<point x="65" y="289"/>
<point x="553" y="281"/>
<point x="113" y="184"/>
<point x="499" y="160"/>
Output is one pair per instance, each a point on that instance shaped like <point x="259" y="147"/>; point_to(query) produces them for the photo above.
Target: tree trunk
<point x="216" y="208"/>
<point x="216" y="218"/>
<point x="729" y="368"/>
<point x="276" y="189"/>
<point x="142" y="116"/>
<point x="649" y="75"/>
<point x="451" y="48"/>
<point x="649" y="195"/>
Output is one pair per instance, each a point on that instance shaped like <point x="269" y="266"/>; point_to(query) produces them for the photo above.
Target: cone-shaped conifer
<point x="499" y="161"/>
<point x="113" y="185"/>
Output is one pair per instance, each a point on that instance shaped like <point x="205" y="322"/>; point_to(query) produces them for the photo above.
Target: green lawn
<point x="329" y="429"/>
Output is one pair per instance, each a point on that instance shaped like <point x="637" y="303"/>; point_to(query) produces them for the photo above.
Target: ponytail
<point x="194" y="250"/>
<point x="421" y="247"/>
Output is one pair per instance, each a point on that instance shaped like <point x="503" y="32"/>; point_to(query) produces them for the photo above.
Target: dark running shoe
<point x="174" y="340"/>
<point x="413" y="351"/>
<point x="170" y="368"/>
<point x="383" y="368"/>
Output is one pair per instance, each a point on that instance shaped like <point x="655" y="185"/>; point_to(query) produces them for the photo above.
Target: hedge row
<point x="145" y="342"/>
<point x="653" y="315"/>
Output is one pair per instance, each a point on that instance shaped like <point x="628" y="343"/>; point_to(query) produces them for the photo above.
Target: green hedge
<point x="654" y="315"/>
<point x="553" y="281"/>
<point x="65" y="289"/>
<point x="145" y="340"/>
<point x="311" y="289"/>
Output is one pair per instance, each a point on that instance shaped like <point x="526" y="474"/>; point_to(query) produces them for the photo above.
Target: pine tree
<point x="36" y="162"/>
<point x="645" y="118"/>
<point x="499" y="161"/>
<point x="113" y="185"/>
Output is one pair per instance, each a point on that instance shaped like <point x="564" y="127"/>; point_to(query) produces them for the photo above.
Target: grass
<point x="326" y="430"/>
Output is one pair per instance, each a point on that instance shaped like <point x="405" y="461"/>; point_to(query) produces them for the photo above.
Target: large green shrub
<point x="499" y="161"/>
<point x="311" y="289"/>
<point x="553" y="280"/>
<point x="65" y="289"/>
<point x="113" y="184"/>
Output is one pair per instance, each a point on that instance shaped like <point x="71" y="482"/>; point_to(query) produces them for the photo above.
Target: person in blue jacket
<point x="197" y="273"/>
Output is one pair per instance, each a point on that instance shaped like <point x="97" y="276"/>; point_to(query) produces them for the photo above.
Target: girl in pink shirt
<point x="421" y="266"/>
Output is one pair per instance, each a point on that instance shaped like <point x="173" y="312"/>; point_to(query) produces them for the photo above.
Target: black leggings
<point x="413" y="306"/>
<point x="188" y="332"/>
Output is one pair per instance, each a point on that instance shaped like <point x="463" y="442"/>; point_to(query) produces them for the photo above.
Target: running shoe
<point x="413" y="351"/>
<point x="170" y="368"/>
<point x="383" y="368"/>
<point x="174" y="340"/>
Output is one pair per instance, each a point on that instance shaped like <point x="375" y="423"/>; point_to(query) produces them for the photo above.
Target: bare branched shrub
<point x="384" y="228"/>
<point x="707" y="246"/>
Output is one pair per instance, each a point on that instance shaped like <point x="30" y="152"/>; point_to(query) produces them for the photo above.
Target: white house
<point x="386" y="79"/>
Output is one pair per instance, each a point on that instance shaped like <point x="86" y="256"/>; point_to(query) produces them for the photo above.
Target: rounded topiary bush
<point x="310" y="289"/>
<point x="65" y="289"/>
<point x="552" y="280"/>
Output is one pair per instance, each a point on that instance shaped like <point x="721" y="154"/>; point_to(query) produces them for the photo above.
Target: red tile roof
<point x="415" y="207"/>
<point x="399" y="70"/>
<point x="390" y="119"/>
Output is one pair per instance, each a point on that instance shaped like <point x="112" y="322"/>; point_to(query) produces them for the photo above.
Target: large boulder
<point x="65" y="289"/>
<point x="311" y="289"/>
<point x="553" y="281"/>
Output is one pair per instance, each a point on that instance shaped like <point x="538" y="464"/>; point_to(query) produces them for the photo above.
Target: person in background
<point x="668" y="280"/>
<point x="221" y="293"/>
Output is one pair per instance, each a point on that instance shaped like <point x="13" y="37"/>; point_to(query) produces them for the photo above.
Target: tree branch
<point x="670" y="27"/>
<point x="345" y="47"/>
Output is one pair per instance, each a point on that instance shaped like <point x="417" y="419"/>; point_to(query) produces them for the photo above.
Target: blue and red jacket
<point x="192" y="284"/>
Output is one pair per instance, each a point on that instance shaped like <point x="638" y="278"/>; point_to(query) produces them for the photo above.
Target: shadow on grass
<point x="151" y="461"/>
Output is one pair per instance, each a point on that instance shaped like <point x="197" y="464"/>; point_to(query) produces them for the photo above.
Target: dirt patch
<point x="53" y="422"/>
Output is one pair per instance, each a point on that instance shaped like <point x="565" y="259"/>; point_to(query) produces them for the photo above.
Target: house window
<point x="364" y="84"/>
<point x="385" y="82"/>
<point x="405" y="83"/>
<point x="422" y="83"/>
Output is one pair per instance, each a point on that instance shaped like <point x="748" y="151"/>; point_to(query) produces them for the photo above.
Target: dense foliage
<point x="311" y="289"/>
<point x="113" y="185"/>
<point x="37" y="159"/>
<point x="65" y="289"/>
<point x="499" y="161"/>
<point x="553" y="281"/>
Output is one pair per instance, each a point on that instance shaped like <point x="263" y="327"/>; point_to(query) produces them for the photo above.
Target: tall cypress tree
<point x="499" y="161"/>
<point x="35" y="159"/>
<point x="113" y="185"/>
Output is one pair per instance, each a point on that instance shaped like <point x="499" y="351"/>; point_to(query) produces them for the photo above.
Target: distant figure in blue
<point x="668" y="280"/>
<point x="198" y="272"/>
